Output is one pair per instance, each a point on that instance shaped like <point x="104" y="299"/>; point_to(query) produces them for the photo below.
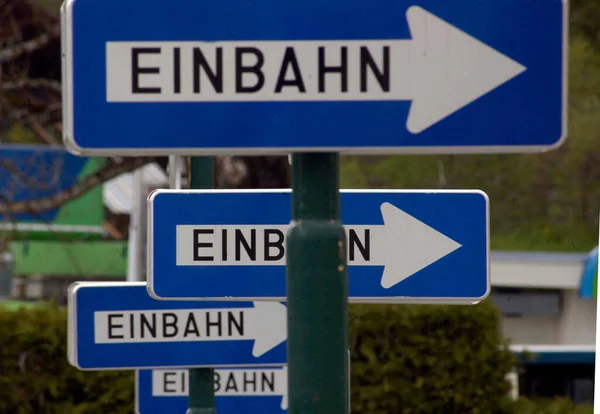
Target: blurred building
<point x="548" y="306"/>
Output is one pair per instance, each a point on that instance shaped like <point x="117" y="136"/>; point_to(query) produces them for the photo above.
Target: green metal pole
<point x="317" y="289"/>
<point x="201" y="380"/>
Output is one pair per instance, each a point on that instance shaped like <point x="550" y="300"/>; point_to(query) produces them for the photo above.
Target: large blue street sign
<point x="260" y="390"/>
<point x="270" y="76"/>
<point x="403" y="246"/>
<point x="118" y="326"/>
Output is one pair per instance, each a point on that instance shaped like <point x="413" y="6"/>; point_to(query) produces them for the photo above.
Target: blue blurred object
<point x="589" y="277"/>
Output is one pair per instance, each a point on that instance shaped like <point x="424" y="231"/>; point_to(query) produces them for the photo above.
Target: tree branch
<point x="113" y="169"/>
<point x="48" y="84"/>
<point x="20" y="175"/>
<point x="10" y="53"/>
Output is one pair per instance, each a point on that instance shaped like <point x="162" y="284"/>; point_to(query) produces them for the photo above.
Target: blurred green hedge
<point x="36" y="378"/>
<point x="405" y="360"/>
<point x="549" y="406"/>
<point x="428" y="359"/>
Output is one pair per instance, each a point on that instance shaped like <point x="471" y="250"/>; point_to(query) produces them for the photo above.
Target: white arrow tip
<point x="451" y="69"/>
<point x="411" y="245"/>
<point x="269" y="324"/>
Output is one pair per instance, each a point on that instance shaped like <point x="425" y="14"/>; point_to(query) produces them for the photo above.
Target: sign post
<point x="201" y="380"/>
<point x="317" y="289"/>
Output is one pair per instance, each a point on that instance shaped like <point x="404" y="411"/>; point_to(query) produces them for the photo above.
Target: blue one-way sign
<point x="118" y="326"/>
<point x="269" y="76"/>
<point x="260" y="390"/>
<point x="403" y="246"/>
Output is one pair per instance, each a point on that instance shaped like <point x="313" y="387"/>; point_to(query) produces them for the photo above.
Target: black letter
<point x="383" y="77"/>
<point x="209" y="323"/>
<point x="342" y="69"/>
<point x="278" y="244"/>
<point x="191" y="326"/>
<point x="246" y="382"/>
<point x="166" y="381"/>
<point x="146" y="324"/>
<point x="250" y="248"/>
<point x="231" y="322"/>
<point x="111" y="326"/>
<point x="136" y="70"/>
<point x="240" y="69"/>
<point x="224" y="245"/>
<point x="198" y="245"/>
<point x="289" y="58"/>
<point x="131" y="326"/>
<point x="177" y="70"/>
<point x="216" y="77"/>
<point x="268" y="381"/>
<point x="231" y="383"/>
<point x="365" y="249"/>
<point x="217" y="378"/>
<point x="172" y="324"/>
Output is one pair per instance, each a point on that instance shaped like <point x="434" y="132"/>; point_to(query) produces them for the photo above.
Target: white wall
<point x="538" y="270"/>
<point x="576" y="324"/>
<point x="533" y="330"/>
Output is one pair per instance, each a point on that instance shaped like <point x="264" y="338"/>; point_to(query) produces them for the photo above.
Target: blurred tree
<point x="585" y="19"/>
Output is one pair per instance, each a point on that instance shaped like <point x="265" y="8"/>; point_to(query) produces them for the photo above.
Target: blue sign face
<point x="238" y="391"/>
<point x="268" y="76"/>
<point x="403" y="246"/>
<point x="118" y="326"/>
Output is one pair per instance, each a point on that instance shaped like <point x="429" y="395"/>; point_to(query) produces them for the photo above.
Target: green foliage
<point x="549" y="406"/>
<point x="585" y="19"/>
<point x="19" y="135"/>
<point x="35" y="376"/>
<point x="405" y="360"/>
<point x="428" y="359"/>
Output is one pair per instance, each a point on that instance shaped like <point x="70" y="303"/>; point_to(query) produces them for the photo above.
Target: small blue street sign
<point x="424" y="246"/>
<point x="260" y="390"/>
<point x="268" y="76"/>
<point x="118" y="326"/>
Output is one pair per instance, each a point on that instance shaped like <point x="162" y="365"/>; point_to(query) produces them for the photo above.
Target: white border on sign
<point x="381" y="300"/>
<point x="66" y="18"/>
<point x="137" y="392"/>
<point x="74" y="148"/>
<point x="72" y="324"/>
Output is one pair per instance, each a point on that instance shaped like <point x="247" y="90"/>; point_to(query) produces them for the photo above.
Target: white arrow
<point x="441" y="69"/>
<point x="449" y="69"/>
<point x="247" y="382"/>
<point x="404" y="245"/>
<point x="265" y="324"/>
